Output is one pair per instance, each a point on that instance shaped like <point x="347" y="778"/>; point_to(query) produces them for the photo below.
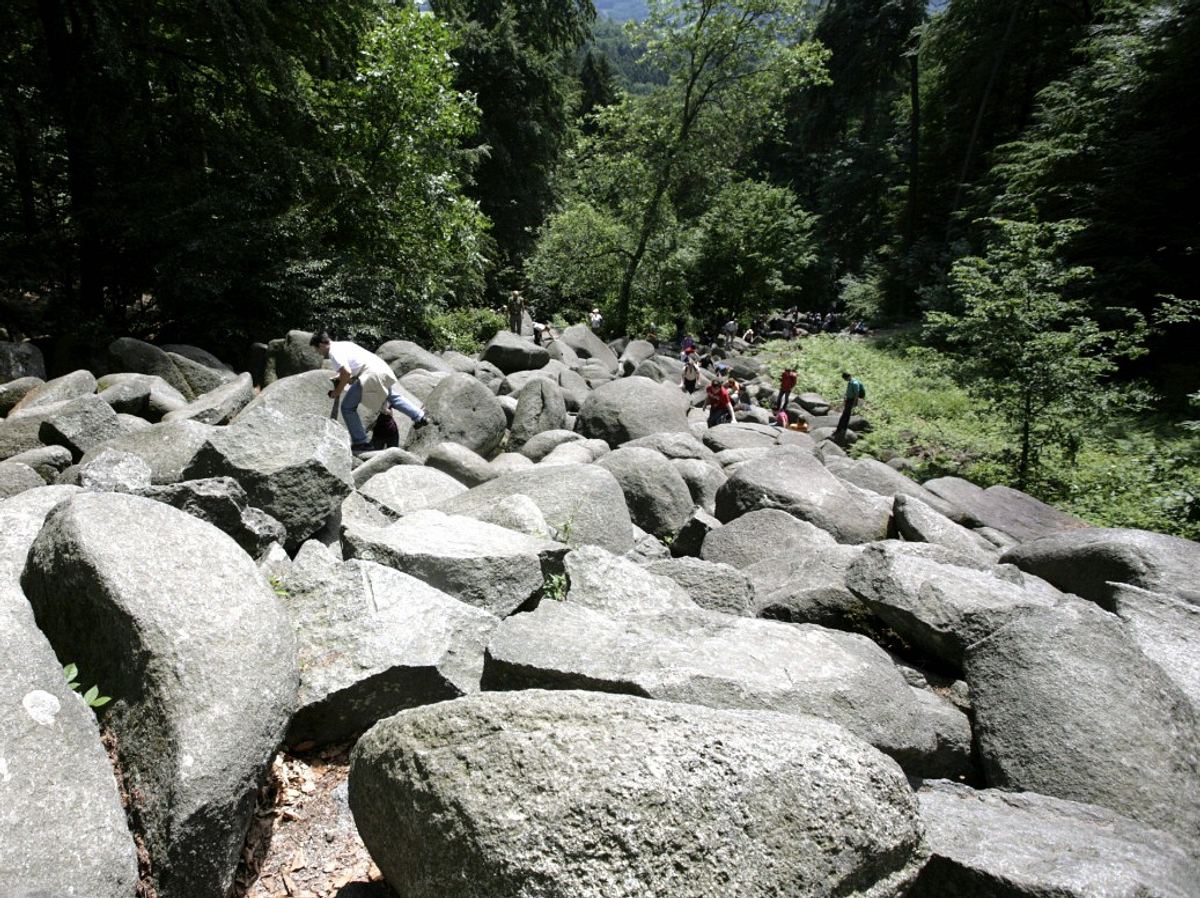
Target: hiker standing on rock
<point x="362" y="376"/>
<point x="787" y="383"/>
<point x="718" y="402"/>
<point x="516" y="311"/>
<point x="854" y="392"/>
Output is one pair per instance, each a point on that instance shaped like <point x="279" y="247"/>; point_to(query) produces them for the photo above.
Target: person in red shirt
<point x="787" y="383"/>
<point x="717" y="400"/>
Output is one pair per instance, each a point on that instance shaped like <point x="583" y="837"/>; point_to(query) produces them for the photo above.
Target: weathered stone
<point x="1010" y="511"/>
<point x="463" y="411"/>
<point x="76" y="424"/>
<point x="167" y="448"/>
<point x="740" y="436"/>
<point x="618" y="586"/>
<point x="219" y="405"/>
<point x="457" y="361"/>
<point x="64" y="829"/>
<point x="200" y="377"/>
<point x="813" y="403"/>
<point x="382" y="461"/>
<point x="20" y="360"/>
<point x="510" y="352"/>
<point x="126" y="354"/>
<point x="14" y="391"/>
<point x="291" y="355"/>
<point x="872" y="474"/>
<point x="793" y="480"/>
<point x="53" y="392"/>
<point x="586" y="795"/>
<point x="1167" y="631"/>
<point x="808" y="587"/>
<point x="630" y="408"/>
<point x="520" y="513"/>
<point x="658" y="498"/>
<point x="409" y="488"/>
<point x="484" y="565"/>
<point x="420" y="383"/>
<point x="583" y="504"/>
<point x="1025" y="845"/>
<point x="721" y="661"/>
<point x="711" y="585"/>
<point x="542" y="444"/>
<point x="295" y="469"/>
<point x="939" y="605"/>
<point x="197" y="355"/>
<point x="123" y="390"/>
<point x="16" y="477"/>
<point x="223" y="503"/>
<point x="540" y="408"/>
<point x="198" y="657"/>
<point x="48" y="461"/>
<point x="691" y="536"/>
<point x="1089" y="562"/>
<point x="1067" y="705"/>
<point x="114" y="471"/>
<point x="295" y="396"/>
<point x="374" y="641"/>
<point x="918" y="522"/>
<point x="766" y="534"/>
<point x="404" y="356"/>
<point x="586" y="345"/>
<point x="467" y="467"/>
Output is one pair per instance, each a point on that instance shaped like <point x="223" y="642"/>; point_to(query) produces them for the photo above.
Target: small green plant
<point x="555" y="587"/>
<point x="93" y="697"/>
<point x="277" y="586"/>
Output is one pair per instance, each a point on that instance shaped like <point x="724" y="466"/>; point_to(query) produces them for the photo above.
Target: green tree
<point x="1026" y="341"/>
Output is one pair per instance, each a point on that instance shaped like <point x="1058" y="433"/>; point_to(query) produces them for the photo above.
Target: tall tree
<point x="516" y="59"/>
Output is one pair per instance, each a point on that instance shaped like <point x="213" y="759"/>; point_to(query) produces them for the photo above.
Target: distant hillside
<point x="621" y="10"/>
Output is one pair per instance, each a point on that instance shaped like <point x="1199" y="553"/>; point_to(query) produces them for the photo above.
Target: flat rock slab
<point x="583" y="504"/>
<point x="1089" y="562"/>
<point x="1067" y="705"/>
<point x="219" y="405"/>
<point x="1003" y="508"/>
<point x="1168" y="633"/>
<point x="722" y="661"/>
<point x="63" y="825"/>
<point x="593" y="796"/>
<point x="482" y="564"/>
<point x="939" y="606"/>
<point x="374" y="641"/>
<point x="1025" y="845"/>
<point x="169" y="449"/>
<point x="176" y="623"/>
<point x="764" y="535"/>
<point x="712" y="585"/>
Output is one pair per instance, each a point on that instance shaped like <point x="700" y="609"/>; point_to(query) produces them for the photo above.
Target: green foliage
<point x="92" y="696"/>
<point x="466" y="330"/>
<point x="555" y="587"/>
<point x="1026" y="343"/>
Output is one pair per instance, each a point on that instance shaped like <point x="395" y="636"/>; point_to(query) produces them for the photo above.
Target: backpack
<point x="862" y="391"/>
<point x="690" y="371"/>
<point x="385" y="434"/>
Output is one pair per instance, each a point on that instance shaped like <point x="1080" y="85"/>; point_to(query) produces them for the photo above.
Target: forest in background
<point x="1014" y="175"/>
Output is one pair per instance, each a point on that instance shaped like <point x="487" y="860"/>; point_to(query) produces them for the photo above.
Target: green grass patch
<point x="1139" y="473"/>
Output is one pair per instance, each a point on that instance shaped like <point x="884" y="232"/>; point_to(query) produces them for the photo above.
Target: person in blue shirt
<point x="854" y="392"/>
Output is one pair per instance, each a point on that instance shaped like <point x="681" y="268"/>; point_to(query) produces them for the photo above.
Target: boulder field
<point x="586" y="645"/>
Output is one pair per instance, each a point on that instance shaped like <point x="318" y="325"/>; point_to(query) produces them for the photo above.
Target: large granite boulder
<point x="219" y="405"/>
<point x="791" y="479"/>
<point x="126" y="354"/>
<point x="677" y="447"/>
<point x="463" y="411"/>
<point x="809" y="588"/>
<point x="587" y="346"/>
<point x="63" y="825"/>
<point x="938" y="605"/>
<point x="168" y="449"/>
<point x="919" y="522"/>
<point x="740" y="436"/>
<point x="404" y="356"/>
<point x="297" y="470"/>
<point x="510" y="352"/>
<point x="374" y="641"/>
<point x="18" y="360"/>
<point x="78" y="425"/>
<point x="1067" y="705"/>
<point x="296" y="395"/>
<point x="615" y="585"/>
<point x="598" y="796"/>
<point x="658" y="497"/>
<point x="408" y="488"/>
<point x="201" y="376"/>
<point x="704" y="480"/>
<point x="542" y="444"/>
<point x="48" y="461"/>
<point x="1090" y="562"/>
<point x="1003" y="508"/>
<point x="583" y="504"/>
<point x="540" y="408"/>
<point x="146" y="395"/>
<point x="60" y="389"/>
<point x="1025" y="845"/>
<point x="290" y="355"/>
<point x="16" y="477"/>
<point x="13" y="391"/>
<point x="222" y="502"/>
<point x="467" y="467"/>
<point x="769" y="534"/>
<point x="484" y="565"/>
<point x="197" y="355"/>
<point x="1167" y="631"/>
<point x="712" y="585"/>
<point x="173" y="619"/>
<point x="630" y="408"/>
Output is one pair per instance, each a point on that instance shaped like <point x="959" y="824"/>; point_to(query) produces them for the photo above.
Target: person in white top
<point x="362" y="376"/>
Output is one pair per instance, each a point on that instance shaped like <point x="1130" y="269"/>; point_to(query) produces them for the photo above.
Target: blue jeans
<point x="353" y="396"/>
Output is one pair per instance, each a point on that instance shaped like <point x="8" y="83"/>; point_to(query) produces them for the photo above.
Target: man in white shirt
<point x="362" y="376"/>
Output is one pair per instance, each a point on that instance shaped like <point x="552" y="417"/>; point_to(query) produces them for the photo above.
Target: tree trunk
<point x="635" y="259"/>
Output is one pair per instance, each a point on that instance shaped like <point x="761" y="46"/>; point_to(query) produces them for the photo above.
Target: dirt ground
<point x="303" y="842"/>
